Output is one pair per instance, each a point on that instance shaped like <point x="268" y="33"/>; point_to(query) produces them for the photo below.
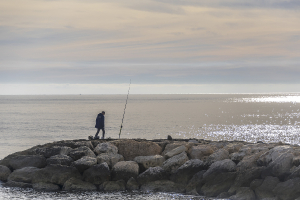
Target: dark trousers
<point x="103" y="132"/>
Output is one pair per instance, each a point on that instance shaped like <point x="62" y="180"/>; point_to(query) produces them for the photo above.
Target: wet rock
<point x="56" y="174"/>
<point x="60" y="160"/>
<point x="186" y="171"/>
<point x="74" y="184"/>
<point x="111" y="186"/>
<point x="109" y="158"/>
<point x="106" y="148"/>
<point x="175" y="151"/>
<point x="172" y="164"/>
<point x="84" y="163"/>
<point x="149" y="161"/>
<point x="162" y="186"/>
<point x="244" y="193"/>
<point x="265" y="190"/>
<point x="24" y="175"/>
<point x="200" y="151"/>
<point x="97" y="174"/>
<point x="4" y="173"/>
<point x="125" y="170"/>
<point x="80" y="152"/>
<point x="152" y="174"/>
<point x="288" y="190"/>
<point x="22" y="161"/>
<point x="47" y="187"/>
<point x="132" y="184"/>
<point x="130" y="149"/>
<point x="53" y="151"/>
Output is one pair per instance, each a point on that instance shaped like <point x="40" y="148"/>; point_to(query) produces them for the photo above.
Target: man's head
<point x="103" y="112"/>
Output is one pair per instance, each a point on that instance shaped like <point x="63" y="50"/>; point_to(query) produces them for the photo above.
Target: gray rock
<point x="175" y="151"/>
<point x="244" y="193"/>
<point x="256" y="183"/>
<point x="80" y="152"/>
<point x="201" y="151"/>
<point x="110" y="159"/>
<point x="97" y="174"/>
<point x="106" y="148"/>
<point x="125" y="170"/>
<point x="46" y="187"/>
<point x="152" y="174"/>
<point x="195" y="183"/>
<point x="17" y="184"/>
<point x="265" y="190"/>
<point x="53" y="151"/>
<point x="74" y="184"/>
<point x="22" y="161"/>
<point x="149" y="161"/>
<point x="171" y="146"/>
<point x="295" y="173"/>
<point x="217" y="184"/>
<point x="233" y="147"/>
<point x="162" y="186"/>
<point x="288" y="190"/>
<point x="249" y="162"/>
<point x="60" y="160"/>
<point x="172" y="164"/>
<point x="218" y="167"/>
<point x="132" y="184"/>
<point x="24" y="175"/>
<point x="84" y="163"/>
<point x="56" y="174"/>
<point x="218" y="155"/>
<point x="186" y="171"/>
<point x="111" y="186"/>
<point x="4" y="173"/>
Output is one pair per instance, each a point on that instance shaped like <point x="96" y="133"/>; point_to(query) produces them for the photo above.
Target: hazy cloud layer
<point x="151" y="41"/>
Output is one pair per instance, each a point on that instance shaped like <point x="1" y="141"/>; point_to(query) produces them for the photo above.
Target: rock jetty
<point x="222" y="169"/>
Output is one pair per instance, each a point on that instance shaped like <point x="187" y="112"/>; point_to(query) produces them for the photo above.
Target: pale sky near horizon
<point x="166" y="46"/>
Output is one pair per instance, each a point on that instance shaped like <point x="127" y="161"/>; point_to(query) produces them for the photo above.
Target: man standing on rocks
<point x="100" y="125"/>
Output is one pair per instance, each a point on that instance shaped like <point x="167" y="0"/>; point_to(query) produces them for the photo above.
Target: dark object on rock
<point x="152" y="174"/>
<point x="19" y="162"/>
<point x="97" y="174"/>
<point x="169" y="137"/>
<point x="125" y="170"/>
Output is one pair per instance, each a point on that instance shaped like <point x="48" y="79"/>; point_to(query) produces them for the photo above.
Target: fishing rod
<point x="124" y="110"/>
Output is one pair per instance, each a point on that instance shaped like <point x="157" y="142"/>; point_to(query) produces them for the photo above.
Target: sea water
<point x="26" y="121"/>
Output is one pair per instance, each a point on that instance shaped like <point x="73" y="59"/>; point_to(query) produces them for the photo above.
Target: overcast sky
<point x="167" y="46"/>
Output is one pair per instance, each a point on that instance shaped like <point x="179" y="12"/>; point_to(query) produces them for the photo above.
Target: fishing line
<point x="124" y="110"/>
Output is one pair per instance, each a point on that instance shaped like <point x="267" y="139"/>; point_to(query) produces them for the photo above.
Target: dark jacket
<point x="100" y="121"/>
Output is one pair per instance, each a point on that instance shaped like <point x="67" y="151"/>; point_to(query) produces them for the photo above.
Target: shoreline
<point x="221" y="169"/>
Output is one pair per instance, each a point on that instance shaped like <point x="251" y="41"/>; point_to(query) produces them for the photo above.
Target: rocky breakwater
<point x="233" y="170"/>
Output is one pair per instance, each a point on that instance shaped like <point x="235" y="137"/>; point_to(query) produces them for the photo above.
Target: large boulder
<point x="60" y="160"/>
<point x="56" y="174"/>
<point x="288" y="190"/>
<point x="172" y="164"/>
<point x="125" y="170"/>
<point x="97" y="174"/>
<point x="109" y="158"/>
<point x="106" y="148"/>
<point x="53" y="151"/>
<point x="4" y="173"/>
<point x="265" y="190"/>
<point x="186" y="171"/>
<point x="74" y="184"/>
<point x="162" y="186"/>
<point x="152" y="174"/>
<point x="176" y="151"/>
<point x="149" y="161"/>
<point x="22" y="161"/>
<point x="169" y="147"/>
<point x="25" y="175"/>
<point x="80" y="152"/>
<point x="195" y="183"/>
<point x="201" y="151"/>
<point x="218" y="155"/>
<point x="111" y="186"/>
<point x="218" y="167"/>
<point x="45" y="187"/>
<point x="131" y="148"/>
<point x="84" y="163"/>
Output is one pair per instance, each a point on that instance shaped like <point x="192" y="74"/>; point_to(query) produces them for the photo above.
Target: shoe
<point x="102" y="138"/>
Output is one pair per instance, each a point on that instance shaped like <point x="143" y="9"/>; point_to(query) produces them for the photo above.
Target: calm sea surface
<point x="26" y="121"/>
